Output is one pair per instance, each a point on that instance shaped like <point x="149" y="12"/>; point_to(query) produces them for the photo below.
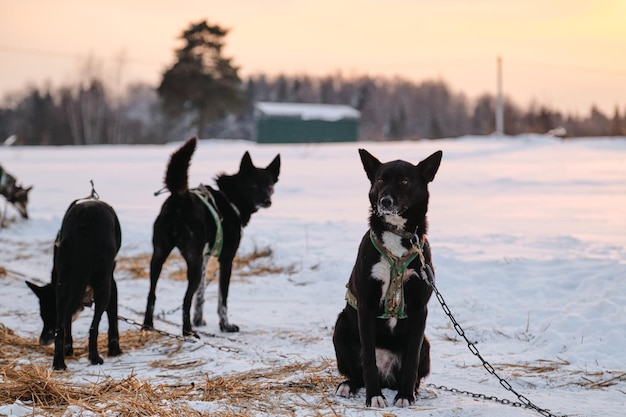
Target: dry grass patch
<point x="281" y="390"/>
<point x="53" y="393"/>
<point x="259" y="262"/>
<point x="276" y="391"/>
<point x="14" y="346"/>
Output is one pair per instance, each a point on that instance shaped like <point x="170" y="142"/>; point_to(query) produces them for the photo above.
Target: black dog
<point x="379" y="336"/>
<point x="196" y="220"/>
<point x="82" y="273"/>
<point x="13" y="193"/>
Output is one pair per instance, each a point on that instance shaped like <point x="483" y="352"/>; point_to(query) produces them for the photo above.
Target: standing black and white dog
<point x="379" y="336"/>
<point x="13" y="193"/>
<point x="190" y="220"/>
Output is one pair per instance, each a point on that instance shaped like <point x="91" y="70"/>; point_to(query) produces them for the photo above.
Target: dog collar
<point x="413" y="238"/>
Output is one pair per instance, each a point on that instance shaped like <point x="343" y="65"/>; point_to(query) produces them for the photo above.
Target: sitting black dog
<point x="379" y="336"/>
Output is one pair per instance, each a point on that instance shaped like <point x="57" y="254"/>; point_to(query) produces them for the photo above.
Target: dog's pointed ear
<point x="429" y="166"/>
<point x="29" y="188"/>
<point x="370" y="163"/>
<point x="274" y="168"/>
<point x="36" y="289"/>
<point x="246" y="164"/>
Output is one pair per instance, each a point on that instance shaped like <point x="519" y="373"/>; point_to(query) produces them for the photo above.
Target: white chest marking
<point x="395" y="220"/>
<point x="393" y="243"/>
<point x="381" y="269"/>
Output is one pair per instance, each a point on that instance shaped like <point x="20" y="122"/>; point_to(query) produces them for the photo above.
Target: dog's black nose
<point x="386" y="201"/>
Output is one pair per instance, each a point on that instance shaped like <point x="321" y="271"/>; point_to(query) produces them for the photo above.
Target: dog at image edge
<point x="13" y="193"/>
<point x="186" y="222"/>
<point x="379" y="336"/>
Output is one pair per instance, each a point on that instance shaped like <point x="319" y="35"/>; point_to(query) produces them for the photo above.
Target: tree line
<point x="202" y="94"/>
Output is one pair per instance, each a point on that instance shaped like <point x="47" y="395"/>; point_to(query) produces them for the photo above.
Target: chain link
<point x="427" y="275"/>
<point x="161" y="317"/>
<point x="161" y="332"/>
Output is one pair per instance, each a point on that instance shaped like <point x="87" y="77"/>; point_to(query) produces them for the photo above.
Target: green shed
<point x="305" y="123"/>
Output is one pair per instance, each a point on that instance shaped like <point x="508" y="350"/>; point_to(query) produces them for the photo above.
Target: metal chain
<point x="478" y="395"/>
<point x="427" y="275"/>
<point x="161" y="332"/>
<point x="169" y="312"/>
<point x="176" y="336"/>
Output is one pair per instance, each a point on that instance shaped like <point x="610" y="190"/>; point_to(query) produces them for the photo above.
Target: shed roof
<point x="308" y="111"/>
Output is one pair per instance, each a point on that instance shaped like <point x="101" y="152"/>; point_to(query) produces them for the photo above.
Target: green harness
<point x="394" y="298"/>
<point x="208" y="200"/>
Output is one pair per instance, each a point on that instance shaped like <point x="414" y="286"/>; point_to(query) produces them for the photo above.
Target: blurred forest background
<point x="202" y="94"/>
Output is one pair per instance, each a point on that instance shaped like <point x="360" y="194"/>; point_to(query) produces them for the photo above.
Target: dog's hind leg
<point x="222" y="307"/>
<point x="348" y="352"/>
<point x="94" y="356"/>
<point x="194" y="271"/>
<point x="198" y="308"/>
<point x="113" y="335"/>
<point x="159" y="255"/>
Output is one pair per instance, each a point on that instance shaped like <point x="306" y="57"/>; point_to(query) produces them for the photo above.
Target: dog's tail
<point x="176" y="177"/>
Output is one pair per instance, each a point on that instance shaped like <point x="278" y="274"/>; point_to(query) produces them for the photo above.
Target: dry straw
<point x="259" y="262"/>
<point x="275" y="391"/>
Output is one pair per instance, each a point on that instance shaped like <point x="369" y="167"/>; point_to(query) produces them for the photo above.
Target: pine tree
<point x="202" y="83"/>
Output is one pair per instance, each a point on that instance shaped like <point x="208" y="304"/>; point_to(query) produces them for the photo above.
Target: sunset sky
<point x="567" y="54"/>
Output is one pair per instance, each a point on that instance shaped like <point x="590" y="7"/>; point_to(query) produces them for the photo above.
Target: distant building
<point x="305" y="123"/>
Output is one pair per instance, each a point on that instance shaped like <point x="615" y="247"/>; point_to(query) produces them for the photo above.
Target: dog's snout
<point x="386" y="201"/>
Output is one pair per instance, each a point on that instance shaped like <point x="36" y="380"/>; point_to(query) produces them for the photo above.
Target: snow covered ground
<point x="528" y="235"/>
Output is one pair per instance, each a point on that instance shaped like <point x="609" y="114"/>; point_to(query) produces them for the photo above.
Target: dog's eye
<point x="404" y="181"/>
<point x="380" y="181"/>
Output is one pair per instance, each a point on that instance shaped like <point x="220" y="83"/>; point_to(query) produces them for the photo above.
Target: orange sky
<point x="568" y="54"/>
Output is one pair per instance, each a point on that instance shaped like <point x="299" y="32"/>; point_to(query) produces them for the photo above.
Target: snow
<point x="528" y="235"/>
<point x="308" y="111"/>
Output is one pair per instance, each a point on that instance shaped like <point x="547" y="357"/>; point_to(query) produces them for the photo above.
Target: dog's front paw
<point x="377" y="401"/>
<point x="96" y="359"/>
<point x="343" y="390"/>
<point x="191" y="333"/>
<point x="402" y="402"/>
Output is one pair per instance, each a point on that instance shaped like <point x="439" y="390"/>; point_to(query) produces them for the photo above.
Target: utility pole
<point x="499" y="102"/>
